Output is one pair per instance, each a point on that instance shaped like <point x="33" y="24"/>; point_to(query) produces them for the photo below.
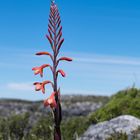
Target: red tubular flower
<point x="45" y="53"/>
<point x="51" y="36"/>
<point x="59" y="37"/>
<point x="50" y="40"/>
<point x="39" y="70"/>
<point x="65" y="58"/>
<point x="50" y="101"/>
<point x="41" y="86"/>
<point x="60" y="44"/>
<point x="59" y="32"/>
<point x="61" y="72"/>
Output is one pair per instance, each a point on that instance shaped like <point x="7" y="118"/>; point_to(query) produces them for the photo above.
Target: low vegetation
<point x="124" y="136"/>
<point x="126" y="102"/>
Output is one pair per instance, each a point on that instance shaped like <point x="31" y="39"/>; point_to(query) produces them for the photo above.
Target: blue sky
<point x="102" y="36"/>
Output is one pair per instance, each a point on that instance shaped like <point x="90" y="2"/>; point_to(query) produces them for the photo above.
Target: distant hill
<point x="72" y="105"/>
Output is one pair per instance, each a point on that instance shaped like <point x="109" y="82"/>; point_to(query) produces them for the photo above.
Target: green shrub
<point x="125" y="102"/>
<point x="4" y="129"/>
<point x="17" y="126"/>
<point x="42" y="130"/>
<point x="74" y="127"/>
<point x="124" y="136"/>
<point x="118" y="136"/>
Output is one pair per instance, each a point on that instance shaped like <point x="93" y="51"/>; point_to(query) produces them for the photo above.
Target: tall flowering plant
<point x="55" y="39"/>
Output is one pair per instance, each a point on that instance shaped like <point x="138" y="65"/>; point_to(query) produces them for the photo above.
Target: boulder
<point x="123" y="124"/>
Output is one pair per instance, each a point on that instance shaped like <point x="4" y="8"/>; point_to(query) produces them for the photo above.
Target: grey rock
<point x="122" y="124"/>
<point x="79" y="108"/>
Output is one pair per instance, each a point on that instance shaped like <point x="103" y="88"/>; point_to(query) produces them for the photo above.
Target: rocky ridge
<point x="71" y="106"/>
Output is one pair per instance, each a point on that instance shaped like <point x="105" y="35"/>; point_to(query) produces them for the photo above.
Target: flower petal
<point x="43" y="88"/>
<point x="47" y="82"/>
<point x="38" y="70"/>
<point x="45" y="65"/>
<point x="38" y="86"/>
<point x="46" y="103"/>
<point x="50" y="101"/>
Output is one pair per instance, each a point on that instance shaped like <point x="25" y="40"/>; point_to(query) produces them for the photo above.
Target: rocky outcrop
<point x="80" y="109"/>
<point x="123" y="124"/>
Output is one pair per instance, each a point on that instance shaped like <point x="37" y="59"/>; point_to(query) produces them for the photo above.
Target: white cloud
<point x="20" y="86"/>
<point x="109" y="60"/>
<point x="84" y="92"/>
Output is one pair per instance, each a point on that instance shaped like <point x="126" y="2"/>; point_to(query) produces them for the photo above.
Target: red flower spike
<point x="61" y="72"/>
<point x="55" y="40"/>
<point x="50" y="101"/>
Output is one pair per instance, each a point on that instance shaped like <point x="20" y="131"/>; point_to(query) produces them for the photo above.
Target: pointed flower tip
<point x="53" y="2"/>
<point x="62" y="73"/>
